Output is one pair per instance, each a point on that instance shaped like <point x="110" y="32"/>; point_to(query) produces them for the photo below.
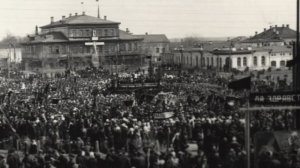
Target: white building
<point x="234" y="58"/>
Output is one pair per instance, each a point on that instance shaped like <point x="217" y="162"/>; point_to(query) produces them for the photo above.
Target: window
<point x="245" y="61"/>
<point x="80" y="33"/>
<point x="63" y="49"/>
<point x="273" y="63"/>
<point x="282" y="63"/>
<point x="263" y="60"/>
<point x="112" y="32"/>
<point x="99" y="32"/>
<point x="203" y="61"/>
<point x="87" y="33"/>
<point x="56" y="50"/>
<point x="122" y="47"/>
<point x="255" y="61"/>
<point x="220" y="62"/>
<point x="238" y="61"/>
<point x="105" y="32"/>
<point x="163" y="50"/>
<point x="157" y="50"/>
<point x="212" y="61"/>
<point x="73" y="33"/>
<point x="135" y="46"/>
<point x="129" y="47"/>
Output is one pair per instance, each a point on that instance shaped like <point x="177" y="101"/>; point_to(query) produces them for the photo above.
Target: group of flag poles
<point x="83" y="9"/>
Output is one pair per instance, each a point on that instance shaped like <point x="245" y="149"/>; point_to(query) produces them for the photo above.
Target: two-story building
<point x="80" y="41"/>
<point x="155" y="45"/>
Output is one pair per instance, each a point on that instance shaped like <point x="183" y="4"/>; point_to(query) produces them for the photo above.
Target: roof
<point x="49" y="37"/>
<point x="154" y="38"/>
<point x="195" y="49"/>
<point x="231" y="51"/>
<point x="274" y="34"/>
<point x="128" y="36"/>
<point x="216" y="45"/>
<point x="274" y="49"/>
<point x="80" y="20"/>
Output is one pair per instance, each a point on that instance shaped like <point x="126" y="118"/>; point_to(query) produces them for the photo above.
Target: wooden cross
<point x="95" y="57"/>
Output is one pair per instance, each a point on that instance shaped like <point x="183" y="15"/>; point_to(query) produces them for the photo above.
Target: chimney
<point x="105" y="17"/>
<point x="146" y="33"/>
<point x="127" y="30"/>
<point x="63" y="18"/>
<point x="282" y="25"/>
<point x="36" y="30"/>
<point x="52" y="19"/>
<point x="271" y="27"/>
<point x="265" y="29"/>
<point x="275" y="26"/>
<point x="70" y="15"/>
<point x="288" y="26"/>
<point x="256" y="33"/>
<point x="83" y="13"/>
<point x="76" y="14"/>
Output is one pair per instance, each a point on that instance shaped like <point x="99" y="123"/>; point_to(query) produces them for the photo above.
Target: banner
<point x="162" y="116"/>
<point x="273" y="98"/>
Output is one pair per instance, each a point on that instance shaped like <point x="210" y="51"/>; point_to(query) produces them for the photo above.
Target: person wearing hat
<point x="2" y="161"/>
<point x="13" y="159"/>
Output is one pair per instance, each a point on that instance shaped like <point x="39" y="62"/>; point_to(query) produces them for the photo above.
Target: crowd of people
<point x="77" y="120"/>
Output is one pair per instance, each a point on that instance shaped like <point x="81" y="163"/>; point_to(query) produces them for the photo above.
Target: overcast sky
<point x="175" y="18"/>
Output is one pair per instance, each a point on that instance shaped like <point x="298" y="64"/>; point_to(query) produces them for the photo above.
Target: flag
<point x="290" y="63"/>
<point x="82" y="3"/>
<point x="241" y="84"/>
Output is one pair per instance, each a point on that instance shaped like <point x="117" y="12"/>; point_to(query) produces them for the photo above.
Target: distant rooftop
<point x="154" y="38"/>
<point x="78" y="20"/>
<point x="273" y="34"/>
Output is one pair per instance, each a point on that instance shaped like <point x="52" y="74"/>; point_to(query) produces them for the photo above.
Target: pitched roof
<point x="274" y="34"/>
<point x="80" y="20"/>
<point x="154" y="38"/>
<point x="127" y="36"/>
<point x="210" y="46"/>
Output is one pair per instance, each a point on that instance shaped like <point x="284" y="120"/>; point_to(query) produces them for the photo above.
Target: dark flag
<point x="128" y="103"/>
<point x="293" y="62"/>
<point x="290" y="63"/>
<point x="55" y="101"/>
<point x="47" y="89"/>
<point x="241" y="84"/>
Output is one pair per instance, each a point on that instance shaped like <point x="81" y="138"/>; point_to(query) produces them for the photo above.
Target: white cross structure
<point x="95" y="57"/>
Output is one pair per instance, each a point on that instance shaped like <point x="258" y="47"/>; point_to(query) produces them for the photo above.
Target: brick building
<point x="68" y="44"/>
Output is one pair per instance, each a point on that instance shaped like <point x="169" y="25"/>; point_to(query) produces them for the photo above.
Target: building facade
<point x="155" y="45"/>
<point x="81" y="41"/>
<point x="225" y="59"/>
<point x="274" y="36"/>
<point x="269" y="49"/>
